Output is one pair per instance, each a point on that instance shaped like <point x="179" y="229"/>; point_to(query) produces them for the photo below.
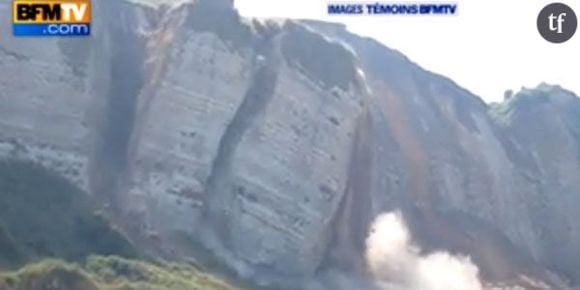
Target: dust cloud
<point x="398" y="264"/>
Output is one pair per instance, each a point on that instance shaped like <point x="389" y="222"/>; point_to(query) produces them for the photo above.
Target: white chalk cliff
<point x="273" y="146"/>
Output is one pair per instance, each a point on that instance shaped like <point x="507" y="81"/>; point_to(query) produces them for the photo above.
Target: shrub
<point x="49" y="274"/>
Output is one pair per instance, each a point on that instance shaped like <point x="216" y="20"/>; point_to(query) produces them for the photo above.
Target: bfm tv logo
<point x="51" y="18"/>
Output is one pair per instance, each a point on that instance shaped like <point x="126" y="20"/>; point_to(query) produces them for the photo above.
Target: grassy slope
<point x="45" y="221"/>
<point x="109" y="273"/>
<point x="44" y="215"/>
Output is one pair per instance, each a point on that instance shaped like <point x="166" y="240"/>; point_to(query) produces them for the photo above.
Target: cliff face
<point x="275" y="145"/>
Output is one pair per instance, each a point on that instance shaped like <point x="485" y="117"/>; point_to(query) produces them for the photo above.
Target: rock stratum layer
<point x="274" y="145"/>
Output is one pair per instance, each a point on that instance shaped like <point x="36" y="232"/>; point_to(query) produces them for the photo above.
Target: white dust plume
<point x="397" y="263"/>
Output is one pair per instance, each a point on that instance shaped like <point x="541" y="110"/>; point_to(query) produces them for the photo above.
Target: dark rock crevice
<point x="351" y="222"/>
<point x="111" y="160"/>
<point x="123" y="79"/>
<point x="220" y="208"/>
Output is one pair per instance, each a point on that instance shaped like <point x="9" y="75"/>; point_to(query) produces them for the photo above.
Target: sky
<point x="488" y="47"/>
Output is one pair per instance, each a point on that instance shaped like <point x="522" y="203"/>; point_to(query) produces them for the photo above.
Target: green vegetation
<point x="139" y="275"/>
<point x="50" y="274"/>
<point x="51" y="237"/>
<point x="44" y="215"/>
<point x="109" y="273"/>
<point x="526" y="99"/>
<point x="501" y="113"/>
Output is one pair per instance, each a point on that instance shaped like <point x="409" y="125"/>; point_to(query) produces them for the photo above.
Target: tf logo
<point x="557" y="22"/>
<point x="51" y="18"/>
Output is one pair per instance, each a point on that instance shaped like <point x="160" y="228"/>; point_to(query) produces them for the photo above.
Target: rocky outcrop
<point x="274" y="145"/>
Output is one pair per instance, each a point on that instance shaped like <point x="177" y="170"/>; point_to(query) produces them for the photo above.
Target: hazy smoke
<point x="398" y="265"/>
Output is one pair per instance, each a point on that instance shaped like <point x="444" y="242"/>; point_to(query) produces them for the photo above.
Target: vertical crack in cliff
<point x="351" y="222"/>
<point x="220" y="206"/>
<point x="138" y="61"/>
<point x="109" y="166"/>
